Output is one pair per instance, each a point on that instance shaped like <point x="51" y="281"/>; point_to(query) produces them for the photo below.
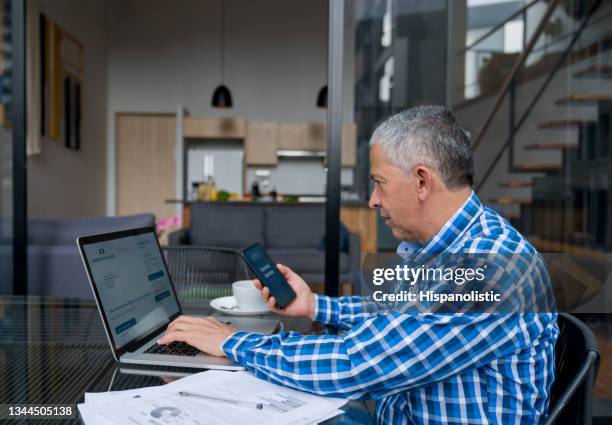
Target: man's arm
<point x="387" y="353"/>
<point x="342" y="312"/>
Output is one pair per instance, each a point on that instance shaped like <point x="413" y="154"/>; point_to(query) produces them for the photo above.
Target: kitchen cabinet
<point x="214" y="128"/>
<point x="315" y="137"/>
<point x="261" y="143"/>
<point x="349" y="145"/>
<point x="291" y="136"/>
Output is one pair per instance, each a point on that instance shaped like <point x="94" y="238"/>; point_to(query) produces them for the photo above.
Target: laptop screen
<point x="135" y="291"/>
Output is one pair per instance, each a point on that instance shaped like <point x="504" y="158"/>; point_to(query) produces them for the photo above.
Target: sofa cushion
<point x="65" y="232"/>
<point x="294" y="227"/>
<point x="57" y="271"/>
<point x="224" y="225"/>
<point x="306" y="260"/>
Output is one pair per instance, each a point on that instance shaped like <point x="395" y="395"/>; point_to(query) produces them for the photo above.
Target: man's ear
<point x="424" y="182"/>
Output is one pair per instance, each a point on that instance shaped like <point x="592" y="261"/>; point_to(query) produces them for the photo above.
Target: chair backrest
<point x="577" y="362"/>
<point x="203" y="273"/>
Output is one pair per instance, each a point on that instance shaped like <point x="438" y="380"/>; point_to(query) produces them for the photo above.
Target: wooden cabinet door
<point x="260" y="143"/>
<point x="217" y="128"/>
<point x="349" y="145"/>
<point x="291" y="136"/>
<point x="315" y="137"/>
<point x="146" y="166"/>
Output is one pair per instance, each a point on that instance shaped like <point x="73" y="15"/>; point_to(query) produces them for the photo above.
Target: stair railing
<point x="552" y="5"/>
<point x="510" y="83"/>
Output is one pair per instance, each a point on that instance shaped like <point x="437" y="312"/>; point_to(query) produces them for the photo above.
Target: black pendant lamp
<point x="222" y="97"/>
<point x="322" y="98"/>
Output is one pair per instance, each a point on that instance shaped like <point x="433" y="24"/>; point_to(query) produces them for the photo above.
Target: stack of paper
<point x="210" y="400"/>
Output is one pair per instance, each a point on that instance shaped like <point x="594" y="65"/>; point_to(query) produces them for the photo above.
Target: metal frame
<point x="334" y="145"/>
<point x="18" y="119"/>
<point x="520" y="11"/>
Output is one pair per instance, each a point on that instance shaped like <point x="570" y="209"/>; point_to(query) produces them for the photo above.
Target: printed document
<point x="163" y="405"/>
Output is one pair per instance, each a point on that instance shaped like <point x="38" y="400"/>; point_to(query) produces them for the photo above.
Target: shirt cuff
<point x="327" y="310"/>
<point x="237" y="344"/>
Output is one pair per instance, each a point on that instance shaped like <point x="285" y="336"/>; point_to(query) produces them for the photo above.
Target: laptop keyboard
<point x="177" y="348"/>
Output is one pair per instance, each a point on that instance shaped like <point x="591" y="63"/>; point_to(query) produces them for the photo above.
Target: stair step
<point x="538" y="167"/>
<point x="554" y="146"/>
<point x="564" y="123"/>
<point x="595" y="71"/>
<point x="516" y="183"/>
<point x="510" y="201"/>
<point x="583" y="97"/>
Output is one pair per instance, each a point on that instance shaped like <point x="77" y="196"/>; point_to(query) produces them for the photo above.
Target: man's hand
<point x="204" y="333"/>
<point x="304" y="303"/>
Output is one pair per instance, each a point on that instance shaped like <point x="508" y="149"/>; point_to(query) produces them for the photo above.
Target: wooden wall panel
<point x="362" y="221"/>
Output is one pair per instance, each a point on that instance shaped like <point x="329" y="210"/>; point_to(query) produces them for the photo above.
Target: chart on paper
<point x="281" y="403"/>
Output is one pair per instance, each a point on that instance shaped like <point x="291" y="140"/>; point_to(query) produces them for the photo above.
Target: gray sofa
<point x="293" y="235"/>
<point x="54" y="263"/>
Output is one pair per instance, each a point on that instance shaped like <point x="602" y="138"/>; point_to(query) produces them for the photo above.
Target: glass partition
<point x="399" y="61"/>
<point x="541" y="137"/>
<point x="7" y="183"/>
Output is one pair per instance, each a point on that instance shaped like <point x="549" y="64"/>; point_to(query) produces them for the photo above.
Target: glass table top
<point x="53" y="350"/>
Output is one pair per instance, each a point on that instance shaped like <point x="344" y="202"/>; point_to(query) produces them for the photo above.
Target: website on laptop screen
<point x="133" y="285"/>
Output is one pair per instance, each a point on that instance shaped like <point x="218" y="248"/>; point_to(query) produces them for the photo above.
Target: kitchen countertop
<point x="354" y="203"/>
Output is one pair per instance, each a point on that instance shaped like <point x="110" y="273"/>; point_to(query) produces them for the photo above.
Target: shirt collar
<point x="408" y="248"/>
<point x="455" y="227"/>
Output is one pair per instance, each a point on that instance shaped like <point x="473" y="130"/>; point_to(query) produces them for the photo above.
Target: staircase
<point x="543" y="152"/>
<point x="552" y="182"/>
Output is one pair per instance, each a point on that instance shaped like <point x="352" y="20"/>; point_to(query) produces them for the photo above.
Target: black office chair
<point x="577" y="362"/>
<point x="203" y="273"/>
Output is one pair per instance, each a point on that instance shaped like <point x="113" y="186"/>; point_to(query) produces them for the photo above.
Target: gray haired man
<point x="421" y="368"/>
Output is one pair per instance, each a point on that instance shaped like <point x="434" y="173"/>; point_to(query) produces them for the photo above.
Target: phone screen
<point x="266" y="271"/>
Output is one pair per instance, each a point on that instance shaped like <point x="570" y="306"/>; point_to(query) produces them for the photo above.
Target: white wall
<point x="63" y="183"/>
<point x="153" y="55"/>
<point x="162" y="54"/>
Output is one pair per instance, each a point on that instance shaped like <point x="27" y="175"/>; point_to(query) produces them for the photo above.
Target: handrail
<point x="515" y="69"/>
<point x="557" y="40"/>
<point x="566" y="35"/>
<point x="498" y="26"/>
<point x="541" y="90"/>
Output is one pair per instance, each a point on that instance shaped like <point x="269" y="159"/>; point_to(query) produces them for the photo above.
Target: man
<point x="421" y="368"/>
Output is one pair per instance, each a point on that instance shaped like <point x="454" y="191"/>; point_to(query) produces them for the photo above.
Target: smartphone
<point x="268" y="274"/>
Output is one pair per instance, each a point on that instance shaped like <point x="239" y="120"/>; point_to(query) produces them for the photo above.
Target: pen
<point x="227" y="400"/>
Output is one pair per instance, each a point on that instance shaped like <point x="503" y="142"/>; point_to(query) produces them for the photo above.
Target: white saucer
<point x="227" y="305"/>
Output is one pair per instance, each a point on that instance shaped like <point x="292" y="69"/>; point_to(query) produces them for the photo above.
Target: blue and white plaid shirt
<point x="422" y="368"/>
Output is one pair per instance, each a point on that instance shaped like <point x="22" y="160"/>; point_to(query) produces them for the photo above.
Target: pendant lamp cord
<point x="222" y="40"/>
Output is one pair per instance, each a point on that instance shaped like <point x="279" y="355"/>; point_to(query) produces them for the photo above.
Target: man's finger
<point x="265" y="292"/>
<point x="186" y="326"/>
<point x="212" y="321"/>
<point x="184" y="320"/>
<point x="170" y="337"/>
<point x="271" y="303"/>
<point x="257" y="283"/>
<point x="285" y="271"/>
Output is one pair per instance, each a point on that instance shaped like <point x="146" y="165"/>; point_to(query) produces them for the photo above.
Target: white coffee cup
<point x="247" y="296"/>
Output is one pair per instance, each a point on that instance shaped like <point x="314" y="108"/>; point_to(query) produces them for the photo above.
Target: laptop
<point x="137" y="300"/>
